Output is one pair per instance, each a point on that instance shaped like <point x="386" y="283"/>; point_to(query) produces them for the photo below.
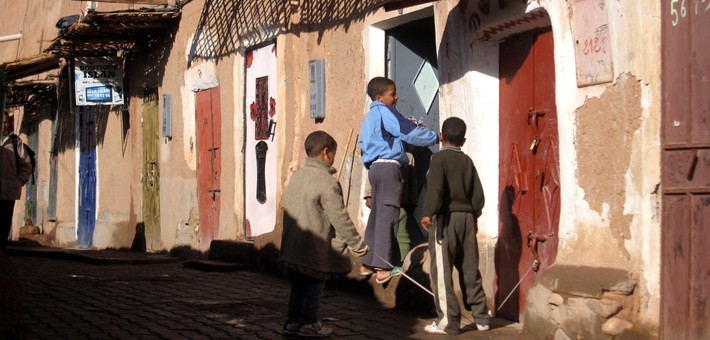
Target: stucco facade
<point x="608" y="133"/>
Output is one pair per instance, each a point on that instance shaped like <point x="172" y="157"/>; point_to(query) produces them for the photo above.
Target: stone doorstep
<point x="28" y="231"/>
<point x="586" y="281"/>
<point x="229" y="251"/>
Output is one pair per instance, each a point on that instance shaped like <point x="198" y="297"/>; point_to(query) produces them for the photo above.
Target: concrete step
<point x="215" y="266"/>
<point x="242" y="252"/>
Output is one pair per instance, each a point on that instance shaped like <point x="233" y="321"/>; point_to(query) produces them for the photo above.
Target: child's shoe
<point x="366" y="270"/>
<point x="291" y="328"/>
<point x="381" y="279"/>
<point x="482" y="327"/>
<point x="434" y="329"/>
<point x="314" y="330"/>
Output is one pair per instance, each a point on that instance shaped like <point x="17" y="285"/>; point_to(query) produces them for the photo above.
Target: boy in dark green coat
<point x="317" y="235"/>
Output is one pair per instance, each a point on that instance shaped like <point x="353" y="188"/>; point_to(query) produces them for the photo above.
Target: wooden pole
<point x="347" y="146"/>
<point x="352" y="165"/>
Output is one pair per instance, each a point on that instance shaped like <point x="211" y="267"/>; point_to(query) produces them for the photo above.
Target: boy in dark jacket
<point x="454" y="201"/>
<point x="317" y="233"/>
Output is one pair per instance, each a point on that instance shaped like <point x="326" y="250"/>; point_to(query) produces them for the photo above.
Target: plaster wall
<point x="183" y="75"/>
<point x="344" y="103"/>
<point x="179" y="219"/>
<point x="38" y="31"/>
<point x="608" y="135"/>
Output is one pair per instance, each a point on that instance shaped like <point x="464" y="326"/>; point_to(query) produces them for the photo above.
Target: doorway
<point x="87" y="176"/>
<point x="208" y="117"/>
<point x="529" y="185"/>
<point x="685" y="173"/>
<point x="412" y="65"/>
<point x="151" y="171"/>
<point x="261" y="144"/>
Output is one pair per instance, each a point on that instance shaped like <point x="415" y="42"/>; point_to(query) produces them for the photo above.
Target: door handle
<point x="693" y="165"/>
<point x="533" y="240"/>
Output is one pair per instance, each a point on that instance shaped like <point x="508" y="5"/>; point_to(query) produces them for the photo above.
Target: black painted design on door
<point x="261" y="149"/>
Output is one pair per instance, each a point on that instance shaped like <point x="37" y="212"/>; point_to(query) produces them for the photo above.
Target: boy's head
<point x="322" y="146"/>
<point x="383" y="90"/>
<point x="7" y="124"/>
<point x="453" y="131"/>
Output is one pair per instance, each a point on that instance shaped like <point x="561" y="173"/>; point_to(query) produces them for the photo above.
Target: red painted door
<point x="208" y="118"/>
<point x="685" y="139"/>
<point x="529" y="169"/>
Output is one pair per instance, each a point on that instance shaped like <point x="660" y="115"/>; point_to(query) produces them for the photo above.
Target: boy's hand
<point x="426" y="223"/>
<point x="368" y="202"/>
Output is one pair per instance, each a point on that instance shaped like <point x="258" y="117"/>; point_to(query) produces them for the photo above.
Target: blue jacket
<point x="383" y="131"/>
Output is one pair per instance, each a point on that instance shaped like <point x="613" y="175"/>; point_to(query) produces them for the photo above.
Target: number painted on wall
<point x="679" y="9"/>
<point x="592" y="44"/>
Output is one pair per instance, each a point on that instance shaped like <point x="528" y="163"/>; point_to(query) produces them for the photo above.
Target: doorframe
<point x="152" y="236"/>
<point x="94" y="110"/>
<point x="376" y="65"/>
<point x="278" y="146"/>
<point x="216" y="202"/>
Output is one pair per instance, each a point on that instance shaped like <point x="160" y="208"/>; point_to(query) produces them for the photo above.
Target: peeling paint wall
<point x="605" y="129"/>
<point x="608" y="134"/>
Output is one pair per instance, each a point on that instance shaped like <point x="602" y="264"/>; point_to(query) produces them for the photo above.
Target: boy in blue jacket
<point x="383" y="154"/>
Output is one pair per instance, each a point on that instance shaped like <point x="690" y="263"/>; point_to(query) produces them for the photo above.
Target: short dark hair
<point x="454" y="130"/>
<point x="378" y="86"/>
<point x="317" y="141"/>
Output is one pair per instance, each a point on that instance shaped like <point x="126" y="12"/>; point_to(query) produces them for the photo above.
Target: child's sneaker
<point x="434" y="329"/>
<point x="291" y="328"/>
<point x="482" y="327"/>
<point x="314" y="330"/>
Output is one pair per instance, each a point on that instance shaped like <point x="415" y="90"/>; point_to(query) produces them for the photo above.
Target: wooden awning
<point x="109" y="32"/>
<point x="29" y="66"/>
<point x="142" y="2"/>
<point x="399" y="4"/>
<point x="31" y="92"/>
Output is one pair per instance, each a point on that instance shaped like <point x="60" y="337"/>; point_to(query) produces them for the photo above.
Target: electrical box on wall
<point x="316" y="77"/>
<point x="167" y="115"/>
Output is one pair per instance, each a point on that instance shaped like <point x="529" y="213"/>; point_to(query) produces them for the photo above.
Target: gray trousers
<point x="458" y="249"/>
<point x="383" y="222"/>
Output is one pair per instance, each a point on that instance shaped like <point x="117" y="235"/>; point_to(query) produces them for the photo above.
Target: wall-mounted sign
<point x="98" y="81"/>
<point x="592" y="40"/>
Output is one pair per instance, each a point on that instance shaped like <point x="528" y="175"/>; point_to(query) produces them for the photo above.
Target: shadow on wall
<point x="507" y="258"/>
<point x="139" y="242"/>
<point x="457" y="44"/>
<point x="147" y="61"/>
<point x="226" y="26"/>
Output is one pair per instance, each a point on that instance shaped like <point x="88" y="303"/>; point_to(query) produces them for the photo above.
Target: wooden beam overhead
<point x="144" y="2"/>
<point x="399" y="4"/>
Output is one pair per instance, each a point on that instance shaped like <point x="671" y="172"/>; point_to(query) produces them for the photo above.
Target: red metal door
<point x="685" y="269"/>
<point x="208" y="117"/>
<point x="529" y="169"/>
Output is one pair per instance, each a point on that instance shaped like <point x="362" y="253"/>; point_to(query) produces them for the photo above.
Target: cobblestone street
<point x="72" y="299"/>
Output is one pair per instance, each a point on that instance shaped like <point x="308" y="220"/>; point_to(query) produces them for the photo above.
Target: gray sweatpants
<point x="457" y="248"/>
<point x="383" y="222"/>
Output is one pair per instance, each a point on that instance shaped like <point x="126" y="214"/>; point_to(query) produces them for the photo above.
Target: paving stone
<point x="165" y="301"/>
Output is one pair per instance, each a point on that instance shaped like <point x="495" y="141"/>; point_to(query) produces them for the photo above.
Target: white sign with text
<point x="98" y="81"/>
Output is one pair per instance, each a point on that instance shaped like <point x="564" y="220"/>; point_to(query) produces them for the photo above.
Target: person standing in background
<point x="15" y="171"/>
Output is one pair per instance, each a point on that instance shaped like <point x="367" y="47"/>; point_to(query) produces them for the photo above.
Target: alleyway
<point x="72" y="299"/>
